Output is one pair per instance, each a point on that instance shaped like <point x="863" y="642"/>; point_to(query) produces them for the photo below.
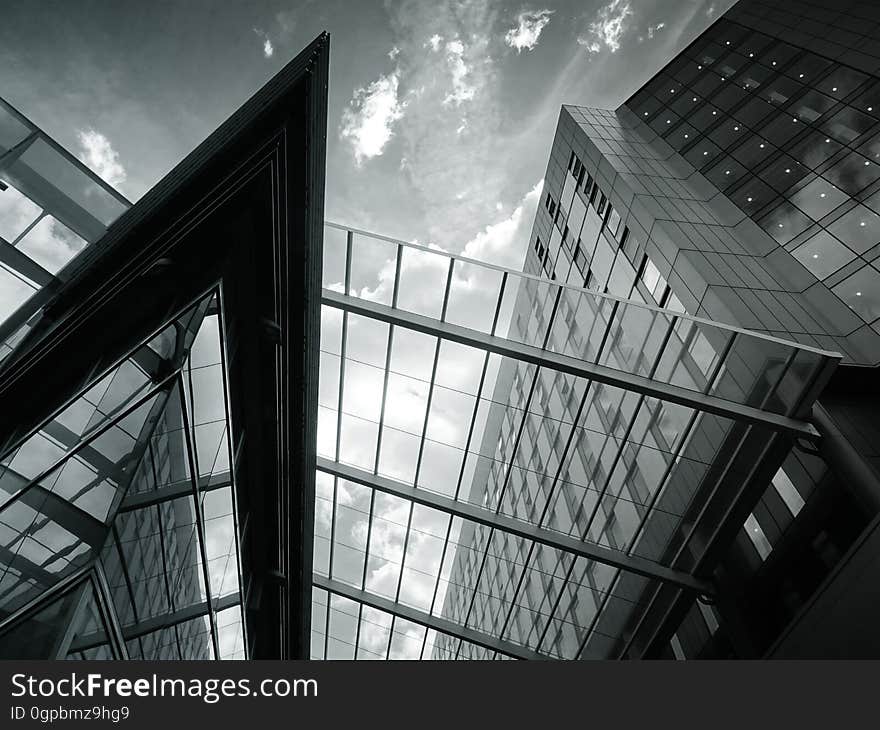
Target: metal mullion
<point x="394" y="296"/>
<point x="200" y="525"/>
<point x="61" y="644"/>
<point x="514" y="526"/>
<point x="106" y="607"/>
<point x="441" y="625"/>
<point x="589" y="386"/>
<point x="767" y="447"/>
<point x="390" y="636"/>
<point x="501" y="496"/>
<point x="100" y="431"/>
<point x="519" y="584"/>
<point x="468" y="442"/>
<point x="129" y="587"/>
<point x="443" y="310"/>
<point x="330" y="562"/>
<point x="770" y="392"/>
<point x="685" y="437"/>
<point x="28" y="229"/>
<point x="667" y="472"/>
<point x="166" y="581"/>
<point x="190" y="308"/>
<point x="442" y="562"/>
<point x="572" y="365"/>
<point x="224" y="359"/>
<point x="403" y="554"/>
<point x="574" y="427"/>
<point x="433" y="372"/>
<point x="357" y="632"/>
<point x="167" y="493"/>
<point x="607" y="597"/>
<point x="565" y="582"/>
<point x="424" y="644"/>
<point x="485" y="369"/>
<point x="369" y="533"/>
<point x="626" y="434"/>
<point x="37" y="603"/>
<point x="340" y="394"/>
<point x="342" y="349"/>
<point x="550" y="322"/>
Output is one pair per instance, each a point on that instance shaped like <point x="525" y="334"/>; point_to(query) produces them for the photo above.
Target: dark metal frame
<point x="244" y="211"/>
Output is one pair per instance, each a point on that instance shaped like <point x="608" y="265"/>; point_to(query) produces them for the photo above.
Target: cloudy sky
<point x="442" y="112"/>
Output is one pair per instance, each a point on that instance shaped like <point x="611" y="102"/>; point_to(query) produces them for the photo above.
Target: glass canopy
<point x="130" y="480"/>
<point x="51" y="207"/>
<point x="510" y="467"/>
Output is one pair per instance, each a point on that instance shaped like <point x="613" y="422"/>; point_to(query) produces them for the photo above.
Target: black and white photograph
<point x="438" y="330"/>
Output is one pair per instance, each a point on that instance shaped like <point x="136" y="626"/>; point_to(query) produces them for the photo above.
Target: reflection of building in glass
<point x="741" y="185"/>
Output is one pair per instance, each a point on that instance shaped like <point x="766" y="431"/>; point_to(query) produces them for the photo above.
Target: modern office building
<point x="275" y="436"/>
<point x="740" y="185"/>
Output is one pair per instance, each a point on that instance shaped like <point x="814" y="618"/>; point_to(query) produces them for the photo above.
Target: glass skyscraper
<point x="739" y="185"/>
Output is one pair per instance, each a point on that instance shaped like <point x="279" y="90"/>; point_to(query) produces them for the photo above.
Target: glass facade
<point x="494" y="448"/>
<point x="735" y="185"/>
<point x="123" y="531"/>
<point x="51" y="207"/>
<point x="131" y="479"/>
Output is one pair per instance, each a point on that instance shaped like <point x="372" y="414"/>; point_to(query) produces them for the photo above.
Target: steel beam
<point x="437" y="623"/>
<point x="182" y="488"/>
<point x="473" y="513"/>
<point x="155" y="623"/>
<point x="568" y="364"/>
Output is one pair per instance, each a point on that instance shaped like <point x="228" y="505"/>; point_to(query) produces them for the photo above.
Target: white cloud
<point x="394" y="53"/>
<point x="434" y="41"/>
<point x="462" y="89"/>
<point x="504" y="243"/>
<point x="268" y="48"/>
<point x="654" y="28"/>
<point x="607" y="29"/>
<point x="525" y="35"/>
<point x="99" y="155"/>
<point x="369" y="120"/>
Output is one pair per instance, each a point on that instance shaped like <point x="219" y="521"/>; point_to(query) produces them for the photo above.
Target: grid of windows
<point x="790" y="137"/>
<point x="598" y="463"/>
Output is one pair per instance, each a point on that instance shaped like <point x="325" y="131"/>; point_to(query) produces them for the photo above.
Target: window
<point x="823" y="254"/>
<point x="786" y="490"/>
<point x="757" y="536"/>
<point x="653" y="280"/>
<point x="861" y="293"/>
